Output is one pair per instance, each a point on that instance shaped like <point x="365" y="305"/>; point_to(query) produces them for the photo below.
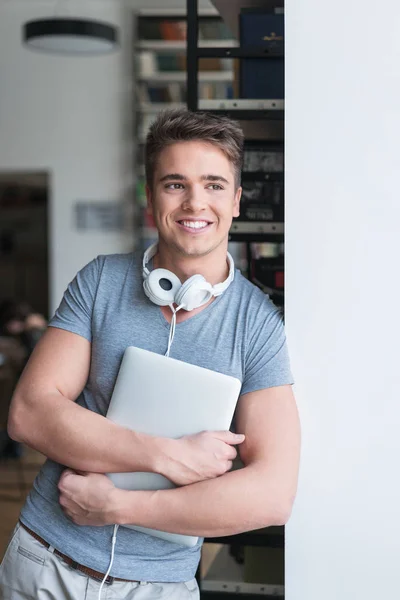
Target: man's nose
<point x="195" y="199"/>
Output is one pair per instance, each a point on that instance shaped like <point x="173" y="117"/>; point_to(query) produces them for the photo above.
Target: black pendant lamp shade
<point x="70" y="36"/>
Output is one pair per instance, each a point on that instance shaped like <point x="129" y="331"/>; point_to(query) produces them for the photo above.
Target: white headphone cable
<point x="172" y="327"/>
<point x="114" y="539"/>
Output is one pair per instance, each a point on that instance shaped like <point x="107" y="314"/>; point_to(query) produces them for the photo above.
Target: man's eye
<point x="174" y="186"/>
<point x="215" y="186"/>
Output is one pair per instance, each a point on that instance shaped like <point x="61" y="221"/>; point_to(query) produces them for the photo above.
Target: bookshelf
<point x="258" y="59"/>
<point x="161" y="79"/>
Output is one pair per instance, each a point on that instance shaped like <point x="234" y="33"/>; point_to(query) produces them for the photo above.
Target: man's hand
<point x="201" y="456"/>
<point x="92" y="499"/>
<point x="88" y="498"/>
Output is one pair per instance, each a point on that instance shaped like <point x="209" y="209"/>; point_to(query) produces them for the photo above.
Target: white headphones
<point x="164" y="288"/>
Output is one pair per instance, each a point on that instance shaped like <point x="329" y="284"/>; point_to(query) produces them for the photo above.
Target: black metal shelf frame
<point x="242" y="114"/>
<point x="272" y="540"/>
<point x="262" y="176"/>
<point x="274" y="50"/>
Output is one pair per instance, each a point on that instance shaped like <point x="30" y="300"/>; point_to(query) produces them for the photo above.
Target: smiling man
<point x="193" y="209"/>
<point x="61" y="545"/>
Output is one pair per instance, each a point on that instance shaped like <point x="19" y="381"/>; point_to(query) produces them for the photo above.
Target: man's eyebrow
<point x="214" y="178"/>
<point x="173" y="176"/>
<point x="180" y="177"/>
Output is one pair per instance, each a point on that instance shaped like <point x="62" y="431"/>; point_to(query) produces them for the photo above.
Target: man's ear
<point x="236" y="202"/>
<point x="149" y="199"/>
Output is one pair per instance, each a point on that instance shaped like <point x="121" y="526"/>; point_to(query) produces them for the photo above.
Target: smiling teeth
<point x="195" y="224"/>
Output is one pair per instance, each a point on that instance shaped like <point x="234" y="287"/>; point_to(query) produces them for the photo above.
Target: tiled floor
<point x="16" y="478"/>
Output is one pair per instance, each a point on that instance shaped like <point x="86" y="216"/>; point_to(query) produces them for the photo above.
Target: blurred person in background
<point x="20" y="329"/>
<point x="20" y="321"/>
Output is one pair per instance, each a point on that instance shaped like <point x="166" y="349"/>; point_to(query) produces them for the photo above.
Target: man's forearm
<point x="81" y="439"/>
<point x="241" y="500"/>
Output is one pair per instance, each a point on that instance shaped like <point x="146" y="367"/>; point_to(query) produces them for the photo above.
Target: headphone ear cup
<point x="195" y="292"/>
<point x="161" y="287"/>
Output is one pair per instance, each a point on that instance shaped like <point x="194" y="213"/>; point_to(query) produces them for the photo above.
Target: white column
<point x="342" y="295"/>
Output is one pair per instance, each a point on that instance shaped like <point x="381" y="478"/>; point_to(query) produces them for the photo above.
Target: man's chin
<point x="196" y="252"/>
<point x="197" y="248"/>
<point x="193" y="252"/>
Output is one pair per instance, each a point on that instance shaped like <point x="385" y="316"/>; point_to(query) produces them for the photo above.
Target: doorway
<point x="24" y="268"/>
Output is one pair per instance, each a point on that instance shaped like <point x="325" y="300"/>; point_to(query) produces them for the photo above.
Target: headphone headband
<point x="217" y="289"/>
<point x="148" y="255"/>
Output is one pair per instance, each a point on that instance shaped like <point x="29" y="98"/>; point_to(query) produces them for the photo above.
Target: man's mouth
<point x="194" y="225"/>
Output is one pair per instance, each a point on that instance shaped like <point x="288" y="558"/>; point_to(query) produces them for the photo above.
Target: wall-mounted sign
<point x="99" y="216"/>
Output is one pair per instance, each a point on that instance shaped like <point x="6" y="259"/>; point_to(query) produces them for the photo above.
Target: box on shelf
<point x="261" y="77"/>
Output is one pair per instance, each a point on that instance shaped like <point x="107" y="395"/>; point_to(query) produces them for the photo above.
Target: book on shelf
<point x="163" y="94"/>
<point x="211" y="29"/>
<point x="258" y="27"/>
<point x="173" y="30"/>
<point x="176" y="29"/>
<point x="170" y="62"/>
<point x="175" y="92"/>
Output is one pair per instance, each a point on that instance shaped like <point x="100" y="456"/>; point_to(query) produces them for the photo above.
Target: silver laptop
<point x="162" y="396"/>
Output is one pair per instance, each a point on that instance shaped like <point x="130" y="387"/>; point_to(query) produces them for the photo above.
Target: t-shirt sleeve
<point x="267" y="357"/>
<point x="75" y="311"/>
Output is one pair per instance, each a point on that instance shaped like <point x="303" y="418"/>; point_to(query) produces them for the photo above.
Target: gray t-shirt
<point x="240" y="334"/>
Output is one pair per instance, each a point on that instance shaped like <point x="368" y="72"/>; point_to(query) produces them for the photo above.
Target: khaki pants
<point x="31" y="572"/>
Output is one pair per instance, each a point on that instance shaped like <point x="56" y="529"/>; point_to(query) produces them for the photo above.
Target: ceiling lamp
<point x="70" y="36"/>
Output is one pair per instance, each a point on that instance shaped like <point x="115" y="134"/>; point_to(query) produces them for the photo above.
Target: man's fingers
<point x="231" y="452"/>
<point x="228" y="437"/>
<point x="64" y="477"/>
<point x="66" y="473"/>
<point x="62" y="500"/>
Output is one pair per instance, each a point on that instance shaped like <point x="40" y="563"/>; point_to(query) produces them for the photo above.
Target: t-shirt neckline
<point x="198" y="315"/>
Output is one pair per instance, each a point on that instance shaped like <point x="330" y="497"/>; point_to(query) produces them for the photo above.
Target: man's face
<point x="193" y="199"/>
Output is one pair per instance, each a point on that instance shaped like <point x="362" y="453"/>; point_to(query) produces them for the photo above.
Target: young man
<point x="61" y="546"/>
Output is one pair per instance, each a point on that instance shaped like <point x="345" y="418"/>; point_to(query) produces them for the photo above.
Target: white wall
<point x="71" y="117"/>
<point x="342" y="251"/>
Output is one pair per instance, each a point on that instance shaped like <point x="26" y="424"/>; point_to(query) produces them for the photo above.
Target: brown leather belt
<point x="74" y="565"/>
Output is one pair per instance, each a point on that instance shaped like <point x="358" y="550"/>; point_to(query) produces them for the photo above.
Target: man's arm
<point x="44" y="415"/>
<point x="259" y="495"/>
